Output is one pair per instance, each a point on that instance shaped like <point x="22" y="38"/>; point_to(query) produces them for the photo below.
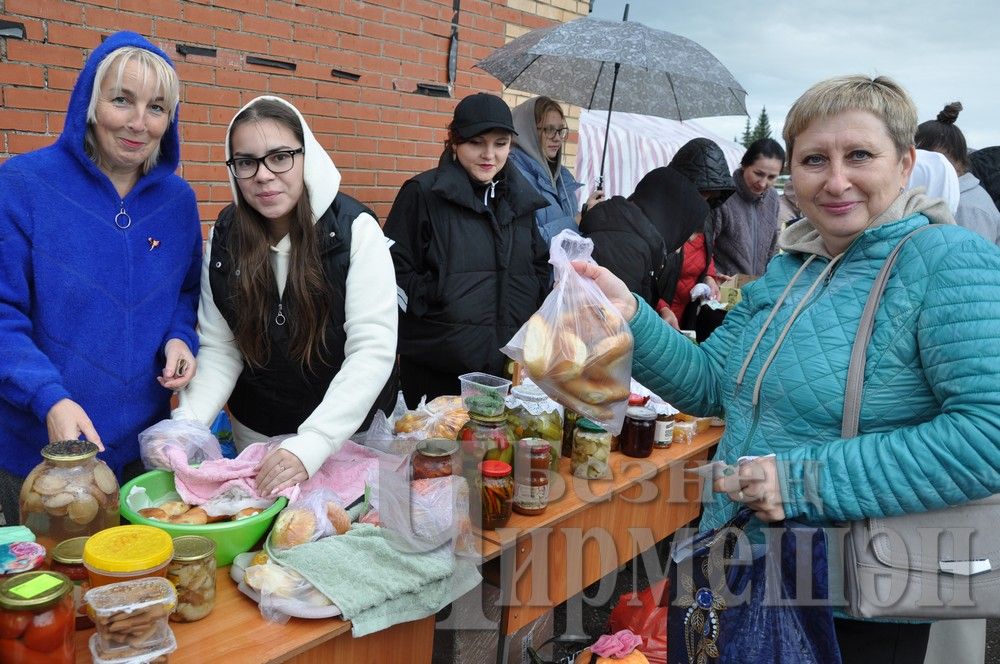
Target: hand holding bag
<point x="929" y="565"/>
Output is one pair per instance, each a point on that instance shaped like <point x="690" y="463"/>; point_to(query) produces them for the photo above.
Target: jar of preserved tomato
<point x="36" y="611"/>
<point x="486" y="438"/>
<point x="532" y="414"/>
<point x="192" y="571"/>
<point x="71" y="493"/>
<point x="497" y="489"/>
<point x="638" y="431"/>
<point x="67" y="558"/>
<point x="434" y="457"/>
<point x="531" y="476"/>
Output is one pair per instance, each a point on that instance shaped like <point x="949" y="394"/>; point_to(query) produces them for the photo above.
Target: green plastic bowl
<point x="231" y="537"/>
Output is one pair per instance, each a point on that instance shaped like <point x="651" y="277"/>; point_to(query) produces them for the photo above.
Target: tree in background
<point x="760" y="130"/>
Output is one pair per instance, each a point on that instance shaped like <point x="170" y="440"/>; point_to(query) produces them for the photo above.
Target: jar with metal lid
<point x="69" y="494"/>
<point x="591" y="451"/>
<point x="531" y="476"/>
<point x="532" y="414"/>
<point x="36" y="611"/>
<point x="434" y="457"/>
<point x="67" y="558"/>
<point x="497" y="489"/>
<point x="192" y="571"/>
<point x="485" y="438"/>
<point x="663" y="432"/>
<point x="638" y="431"/>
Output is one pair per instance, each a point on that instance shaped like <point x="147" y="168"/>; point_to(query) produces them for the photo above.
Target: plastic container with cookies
<point x="127" y="552"/>
<point x="130" y="618"/>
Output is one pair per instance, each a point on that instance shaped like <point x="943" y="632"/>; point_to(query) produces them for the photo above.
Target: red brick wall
<point x="378" y="131"/>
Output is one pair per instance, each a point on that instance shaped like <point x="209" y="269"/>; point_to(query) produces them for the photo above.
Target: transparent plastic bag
<point x="195" y="440"/>
<point x="312" y="516"/>
<point x="577" y="347"/>
<point x="441" y="417"/>
<point x="235" y="500"/>
<point x="283" y="592"/>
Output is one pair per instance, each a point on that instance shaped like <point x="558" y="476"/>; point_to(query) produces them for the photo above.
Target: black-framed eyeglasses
<point x="552" y="132"/>
<point x="278" y="161"/>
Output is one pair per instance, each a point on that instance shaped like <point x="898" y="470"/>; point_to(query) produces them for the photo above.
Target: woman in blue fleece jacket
<point x="100" y="246"/>
<point x="777" y="367"/>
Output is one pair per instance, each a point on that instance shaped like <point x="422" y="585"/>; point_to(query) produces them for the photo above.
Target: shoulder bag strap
<point x="856" y="369"/>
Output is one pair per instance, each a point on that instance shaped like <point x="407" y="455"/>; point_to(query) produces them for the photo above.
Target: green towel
<point x="375" y="584"/>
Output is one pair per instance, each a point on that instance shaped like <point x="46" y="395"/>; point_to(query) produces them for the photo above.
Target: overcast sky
<point x="939" y="50"/>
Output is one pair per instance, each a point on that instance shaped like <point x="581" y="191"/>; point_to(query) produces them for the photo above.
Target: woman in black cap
<point x="470" y="264"/>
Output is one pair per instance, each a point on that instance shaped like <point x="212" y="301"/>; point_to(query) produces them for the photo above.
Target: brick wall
<point x="377" y="128"/>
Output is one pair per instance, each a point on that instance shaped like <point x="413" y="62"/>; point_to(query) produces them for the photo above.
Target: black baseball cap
<point x="480" y="113"/>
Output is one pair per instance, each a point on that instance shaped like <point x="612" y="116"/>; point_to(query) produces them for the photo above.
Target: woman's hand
<point x="66" y="420"/>
<point x="755" y="484"/>
<point x="596" y="196"/>
<point x="180" y="365"/>
<point x="713" y="286"/>
<point x="667" y="314"/>
<point x="279" y="470"/>
<point x="612" y="287"/>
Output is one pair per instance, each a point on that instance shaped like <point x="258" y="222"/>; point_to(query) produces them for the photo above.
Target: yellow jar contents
<point x="127" y="552"/>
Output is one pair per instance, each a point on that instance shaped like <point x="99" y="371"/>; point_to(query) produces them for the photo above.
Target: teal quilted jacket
<point x="930" y="413"/>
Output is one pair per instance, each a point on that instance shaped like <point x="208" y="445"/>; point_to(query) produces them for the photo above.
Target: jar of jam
<point x="36" y="611"/>
<point x="497" y="489"/>
<point x="192" y="571"/>
<point x="71" y="493"/>
<point x="532" y="414"/>
<point x="638" y="431"/>
<point x="591" y="451"/>
<point x="434" y="457"/>
<point x="531" y="476"/>
<point x="67" y="558"/>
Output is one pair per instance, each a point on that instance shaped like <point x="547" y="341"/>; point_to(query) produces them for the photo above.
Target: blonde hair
<point x="881" y="96"/>
<point x="114" y="65"/>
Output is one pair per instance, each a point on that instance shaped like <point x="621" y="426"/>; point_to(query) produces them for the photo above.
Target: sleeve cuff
<point x="47" y="397"/>
<point x="311" y="448"/>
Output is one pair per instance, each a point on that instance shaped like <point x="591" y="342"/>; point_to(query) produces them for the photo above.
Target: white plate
<point x="286" y="606"/>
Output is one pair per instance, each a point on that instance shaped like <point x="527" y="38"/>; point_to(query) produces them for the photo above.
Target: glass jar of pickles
<point x="486" y="438"/>
<point x="71" y="493"/>
<point x="192" y="571"/>
<point x="434" y="457"/>
<point x="67" y="558"/>
<point x="36" y="611"/>
<point x="591" y="451"/>
<point x="497" y="489"/>
<point x="532" y="414"/>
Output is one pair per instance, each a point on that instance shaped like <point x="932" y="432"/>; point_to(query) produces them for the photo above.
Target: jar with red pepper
<point x="486" y="438"/>
<point x="36" y="619"/>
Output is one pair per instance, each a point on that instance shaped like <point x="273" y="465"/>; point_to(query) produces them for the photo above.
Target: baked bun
<point x="569" y="354"/>
<point x="247" y="512"/>
<point x="609" y="349"/>
<point x="154" y="513"/>
<point x="595" y="393"/>
<point x="537" y="346"/>
<point x="339" y="519"/>
<point x="174" y="507"/>
<point x="194" y="516"/>
<point x="293" y="527"/>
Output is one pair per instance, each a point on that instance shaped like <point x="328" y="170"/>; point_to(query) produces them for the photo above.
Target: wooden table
<point x="235" y="633"/>
<point x="591" y="528"/>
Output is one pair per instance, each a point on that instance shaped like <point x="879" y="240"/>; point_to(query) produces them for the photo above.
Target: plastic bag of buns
<point x="312" y="516"/>
<point x="577" y="347"/>
<point x="441" y="417"/>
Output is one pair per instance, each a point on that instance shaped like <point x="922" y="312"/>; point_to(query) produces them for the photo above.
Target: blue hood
<point x="72" y="138"/>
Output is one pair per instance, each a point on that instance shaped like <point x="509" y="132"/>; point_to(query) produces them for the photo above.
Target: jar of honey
<point x="638" y="432"/>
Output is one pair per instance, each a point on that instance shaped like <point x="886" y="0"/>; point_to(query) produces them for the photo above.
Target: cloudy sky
<point x="940" y="51"/>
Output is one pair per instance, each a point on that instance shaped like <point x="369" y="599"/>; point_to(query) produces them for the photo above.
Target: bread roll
<point x="595" y="393"/>
<point x="174" y="507"/>
<point x="537" y="346"/>
<point x="194" y="516"/>
<point x="569" y="354"/>
<point x="293" y="526"/>
<point x="609" y="349"/>
<point x="154" y="513"/>
<point x="339" y="519"/>
<point x="247" y="512"/>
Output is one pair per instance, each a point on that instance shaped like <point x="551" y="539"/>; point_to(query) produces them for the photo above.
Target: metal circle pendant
<point x="280" y="319"/>
<point x="122" y="220"/>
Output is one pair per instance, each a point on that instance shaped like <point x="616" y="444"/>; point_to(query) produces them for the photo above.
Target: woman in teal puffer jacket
<point x="930" y="412"/>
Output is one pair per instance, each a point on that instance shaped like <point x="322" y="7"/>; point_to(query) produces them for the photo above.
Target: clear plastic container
<point x="159" y="656"/>
<point x="127" y="552"/>
<point x="192" y="571"/>
<point x="532" y="414"/>
<point x="131" y="618"/>
<point x="71" y="493"/>
<point x="36" y="613"/>
<point x="484" y="394"/>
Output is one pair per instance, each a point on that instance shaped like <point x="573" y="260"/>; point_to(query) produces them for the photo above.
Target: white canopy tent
<point x="636" y="145"/>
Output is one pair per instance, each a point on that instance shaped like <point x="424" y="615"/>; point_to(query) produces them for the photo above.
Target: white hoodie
<point x="371" y="318"/>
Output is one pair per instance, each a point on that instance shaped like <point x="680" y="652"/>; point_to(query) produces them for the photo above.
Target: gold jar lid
<point x="70" y="552"/>
<point x="191" y="548"/>
<point x="437" y="447"/>
<point x="69" y="450"/>
<point x="33" y="590"/>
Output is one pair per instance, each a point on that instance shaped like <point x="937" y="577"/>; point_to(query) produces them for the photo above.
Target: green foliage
<point x="760" y="130"/>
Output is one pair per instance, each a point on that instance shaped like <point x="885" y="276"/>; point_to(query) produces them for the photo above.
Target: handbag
<point x="901" y="566"/>
<point x="733" y="602"/>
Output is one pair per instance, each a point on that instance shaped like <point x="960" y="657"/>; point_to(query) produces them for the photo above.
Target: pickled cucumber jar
<point x="71" y="493"/>
<point x="532" y="414"/>
<point x="591" y="451"/>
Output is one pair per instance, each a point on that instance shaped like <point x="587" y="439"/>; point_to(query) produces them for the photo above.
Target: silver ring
<point x="281" y="467"/>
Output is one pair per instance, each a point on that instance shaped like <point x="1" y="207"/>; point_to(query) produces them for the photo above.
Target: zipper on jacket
<point x="122" y="220"/>
<point x="279" y="318"/>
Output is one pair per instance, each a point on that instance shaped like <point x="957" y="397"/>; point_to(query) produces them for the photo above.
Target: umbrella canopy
<point x="661" y="73"/>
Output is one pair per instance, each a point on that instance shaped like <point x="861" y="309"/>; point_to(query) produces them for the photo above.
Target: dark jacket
<point x="276" y="398"/>
<point x="703" y="163"/>
<point x="639" y="238"/>
<point x="469" y="274"/>
<point x="985" y="165"/>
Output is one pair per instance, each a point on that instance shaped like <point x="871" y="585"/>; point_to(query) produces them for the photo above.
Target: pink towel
<point x="345" y="473"/>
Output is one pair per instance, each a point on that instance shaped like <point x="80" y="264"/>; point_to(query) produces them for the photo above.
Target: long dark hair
<point x="307" y="295"/>
<point x="943" y="136"/>
<point x="763" y="147"/>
